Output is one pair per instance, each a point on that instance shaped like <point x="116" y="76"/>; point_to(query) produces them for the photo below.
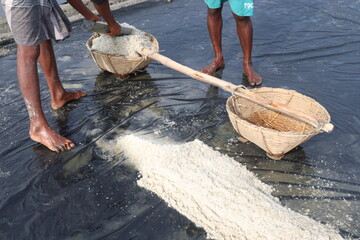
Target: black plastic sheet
<point x="311" y="47"/>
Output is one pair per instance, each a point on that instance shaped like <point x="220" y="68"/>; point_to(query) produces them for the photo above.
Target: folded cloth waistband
<point x="33" y="25"/>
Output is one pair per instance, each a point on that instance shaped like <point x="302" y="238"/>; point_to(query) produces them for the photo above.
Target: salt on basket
<point x="118" y="54"/>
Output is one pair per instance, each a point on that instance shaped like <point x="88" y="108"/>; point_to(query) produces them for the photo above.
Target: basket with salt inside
<point x="118" y="54"/>
<point x="272" y="131"/>
<point x="275" y="119"/>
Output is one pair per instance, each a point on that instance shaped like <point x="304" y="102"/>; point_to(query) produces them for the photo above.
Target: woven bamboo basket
<point x="272" y="131"/>
<point x="120" y="65"/>
<point x="275" y="119"/>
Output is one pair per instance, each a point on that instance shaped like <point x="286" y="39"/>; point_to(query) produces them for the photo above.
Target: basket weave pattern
<point x="275" y="133"/>
<point x="119" y="64"/>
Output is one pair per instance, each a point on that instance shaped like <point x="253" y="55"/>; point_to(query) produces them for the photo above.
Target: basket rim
<point x="311" y="132"/>
<point x="96" y="35"/>
<point x="270" y="89"/>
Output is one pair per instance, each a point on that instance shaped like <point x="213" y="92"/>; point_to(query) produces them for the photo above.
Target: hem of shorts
<point x="40" y="41"/>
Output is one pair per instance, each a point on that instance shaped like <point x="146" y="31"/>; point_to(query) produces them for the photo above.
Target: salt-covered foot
<point x="49" y="138"/>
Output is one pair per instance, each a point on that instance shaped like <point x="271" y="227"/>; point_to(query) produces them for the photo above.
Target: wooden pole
<point x="229" y="87"/>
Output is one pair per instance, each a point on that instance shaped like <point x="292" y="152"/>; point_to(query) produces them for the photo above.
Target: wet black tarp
<point x="308" y="46"/>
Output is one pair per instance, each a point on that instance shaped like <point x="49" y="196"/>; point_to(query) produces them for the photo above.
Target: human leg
<point x="27" y="71"/>
<point x="59" y="96"/>
<point x="242" y="10"/>
<point x="214" y="23"/>
<point x="245" y="33"/>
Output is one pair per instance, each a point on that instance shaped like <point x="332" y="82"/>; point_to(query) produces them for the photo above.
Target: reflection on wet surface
<point x="311" y="47"/>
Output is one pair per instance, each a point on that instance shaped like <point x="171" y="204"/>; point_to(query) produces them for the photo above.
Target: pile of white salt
<point x="126" y="45"/>
<point x="214" y="191"/>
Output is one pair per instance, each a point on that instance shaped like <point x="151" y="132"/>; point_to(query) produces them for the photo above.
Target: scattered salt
<point x="4" y="174"/>
<point x="126" y="45"/>
<point x="214" y="191"/>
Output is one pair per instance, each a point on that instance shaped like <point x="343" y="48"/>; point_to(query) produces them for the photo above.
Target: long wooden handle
<point x="229" y="87"/>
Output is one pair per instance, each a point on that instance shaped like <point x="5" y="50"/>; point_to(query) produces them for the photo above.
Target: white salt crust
<point x="214" y="191"/>
<point x="126" y="45"/>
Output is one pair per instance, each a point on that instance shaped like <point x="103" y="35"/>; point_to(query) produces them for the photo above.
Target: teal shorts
<point x="239" y="7"/>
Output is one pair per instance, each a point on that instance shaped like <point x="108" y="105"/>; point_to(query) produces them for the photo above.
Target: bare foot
<point x="252" y="77"/>
<point x="213" y="66"/>
<point x="51" y="139"/>
<point x="67" y="97"/>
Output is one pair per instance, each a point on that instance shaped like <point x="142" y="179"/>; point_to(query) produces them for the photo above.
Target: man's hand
<point x="103" y="9"/>
<point x="114" y="29"/>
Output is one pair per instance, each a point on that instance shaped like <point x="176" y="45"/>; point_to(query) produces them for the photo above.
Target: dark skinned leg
<point x="59" y="96"/>
<point x="27" y="71"/>
<point x="214" y="22"/>
<point x="245" y="33"/>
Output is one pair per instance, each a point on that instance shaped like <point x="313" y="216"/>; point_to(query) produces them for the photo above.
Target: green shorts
<point x="239" y="7"/>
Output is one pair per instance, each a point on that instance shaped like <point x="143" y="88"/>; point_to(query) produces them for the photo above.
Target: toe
<point x="62" y="147"/>
<point x="69" y="145"/>
<point x="82" y="94"/>
<point x="55" y="149"/>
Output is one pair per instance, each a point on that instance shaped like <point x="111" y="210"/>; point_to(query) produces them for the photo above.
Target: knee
<point x="214" y="12"/>
<point x="28" y="52"/>
<point x="241" y="19"/>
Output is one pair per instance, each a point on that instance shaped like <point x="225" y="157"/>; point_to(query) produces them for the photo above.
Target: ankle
<point x="57" y="91"/>
<point x="37" y="127"/>
<point x="219" y="57"/>
<point x="247" y="63"/>
<point x="218" y="60"/>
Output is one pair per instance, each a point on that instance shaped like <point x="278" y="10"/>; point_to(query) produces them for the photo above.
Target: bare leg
<point x="40" y="131"/>
<point x="245" y="33"/>
<point x="214" y="22"/>
<point x="59" y="97"/>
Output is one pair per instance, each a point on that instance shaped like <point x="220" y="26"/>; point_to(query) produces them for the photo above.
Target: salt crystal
<point x="126" y="45"/>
